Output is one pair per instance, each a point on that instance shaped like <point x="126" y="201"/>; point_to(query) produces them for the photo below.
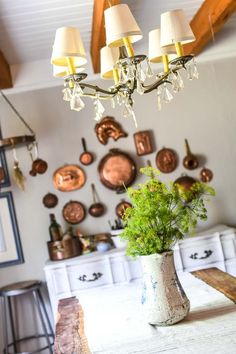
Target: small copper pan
<point x="190" y="161"/>
<point x="86" y="158"/>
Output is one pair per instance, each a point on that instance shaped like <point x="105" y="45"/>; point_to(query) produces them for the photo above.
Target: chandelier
<point x="129" y="71"/>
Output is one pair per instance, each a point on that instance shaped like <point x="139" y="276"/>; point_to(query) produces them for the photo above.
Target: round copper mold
<point x="166" y="160"/>
<point x="73" y="212"/>
<point x="39" y="166"/>
<point x="50" y="200"/>
<point x="121" y="207"/>
<point x="185" y="182"/>
<point x="69" y="178"/>
<point x="117" y="169"/>
<point x="206" y="175"/>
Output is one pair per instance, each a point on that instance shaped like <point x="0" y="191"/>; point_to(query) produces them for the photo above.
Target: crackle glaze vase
<point x="163" y="298"/>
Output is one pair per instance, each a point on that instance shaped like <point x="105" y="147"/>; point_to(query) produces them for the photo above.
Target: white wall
<point x="204" y="113"/>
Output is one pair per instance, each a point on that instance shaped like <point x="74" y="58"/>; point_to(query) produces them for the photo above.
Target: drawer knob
<point x="96" y="276"/>
<point x="207" y="254"/>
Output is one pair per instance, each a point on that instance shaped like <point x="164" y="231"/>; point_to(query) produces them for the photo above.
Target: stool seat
<point x="9" y="293"/>
<point x="19" y="288"/>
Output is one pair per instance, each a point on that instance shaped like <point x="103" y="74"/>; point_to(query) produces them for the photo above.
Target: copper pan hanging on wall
<point x="117" y="170"/>
<point x="69" y="178"/>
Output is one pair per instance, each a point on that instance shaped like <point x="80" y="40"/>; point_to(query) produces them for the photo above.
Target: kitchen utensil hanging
<point x="206" y="175"/>
<point x="96" y="209"/>
<point x="69" y="178"/>
<point x="74" y="212"/>
<point x="39" y="166"/>
<point x="190" y="161"/>
<point x="166" y="160"/>
<point x="15" y="141"/>
<point x="121" y="207"/>
<point x="117" y="170"/>
<point x="86" y="158"/>
<point x="185" y="182"/>
<point x="50" y="200"/>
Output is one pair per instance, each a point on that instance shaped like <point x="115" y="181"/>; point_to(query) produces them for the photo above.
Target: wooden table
<point x="114" y="322"/>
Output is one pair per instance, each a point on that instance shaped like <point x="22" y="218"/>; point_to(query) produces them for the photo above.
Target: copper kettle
<point x="190" y="161"/>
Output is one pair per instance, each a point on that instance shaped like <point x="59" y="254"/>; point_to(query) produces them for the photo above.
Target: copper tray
<point x="166" y="160"/>
<point x="73" y="212"/>
<point x="117" y="169"/>
<point x="68" y="178"/>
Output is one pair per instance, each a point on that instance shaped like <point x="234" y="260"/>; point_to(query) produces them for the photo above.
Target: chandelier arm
<point x="98" y="89"/>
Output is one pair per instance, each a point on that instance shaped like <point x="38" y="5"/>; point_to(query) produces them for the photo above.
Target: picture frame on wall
<point x="4" y="174"/>
<point x="10" y="245"/>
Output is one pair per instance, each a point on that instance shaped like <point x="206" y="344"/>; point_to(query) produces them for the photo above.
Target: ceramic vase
<point x="163" y="298"/>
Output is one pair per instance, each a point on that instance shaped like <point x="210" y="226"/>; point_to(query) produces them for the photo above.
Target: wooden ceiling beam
<point x="98" y="38"/>
<point x="5" y="73"/>
<point x="209" y="19"/>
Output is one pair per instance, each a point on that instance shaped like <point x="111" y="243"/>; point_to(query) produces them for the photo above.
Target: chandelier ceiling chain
<point x="130" y="72"/>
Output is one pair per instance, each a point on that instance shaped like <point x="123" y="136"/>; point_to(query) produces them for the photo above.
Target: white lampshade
<point x="120" y="23"/>
<point x="109" y="57"/>
<point x="68" y="44"/>
<point x="156" y="52"/>
<point x="61" y="71"/>
<point x="175" y="28"/>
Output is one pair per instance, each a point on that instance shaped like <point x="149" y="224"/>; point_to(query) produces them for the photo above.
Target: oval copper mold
<point x="166" y="160"/>
<point x="69" y="178"/>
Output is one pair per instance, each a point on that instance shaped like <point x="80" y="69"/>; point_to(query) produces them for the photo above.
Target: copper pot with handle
<point x="96" y="209"/>
<point x="86" y="158"/>
<point x="190" y="161"/>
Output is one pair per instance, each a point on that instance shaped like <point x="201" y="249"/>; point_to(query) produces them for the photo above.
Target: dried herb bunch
<point x="162" y="213"/>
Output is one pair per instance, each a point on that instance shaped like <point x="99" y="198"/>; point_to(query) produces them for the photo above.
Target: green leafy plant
<point x="162" y="213"/>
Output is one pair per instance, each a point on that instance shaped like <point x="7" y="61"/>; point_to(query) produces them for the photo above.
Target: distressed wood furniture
<point x="115" y="323"/>
<point x="70" y="337"/>
<point x="221" y="281"/>
<point x="10" y="317"/>
<point x="216" y="248"/>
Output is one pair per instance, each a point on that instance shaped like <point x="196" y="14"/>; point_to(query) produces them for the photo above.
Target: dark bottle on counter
<point x="55" y="229"/>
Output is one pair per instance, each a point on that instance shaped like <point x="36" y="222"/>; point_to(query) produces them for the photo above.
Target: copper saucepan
<point x="96" y="209"/>
<point x="190" y="161"/>
<point x="86" y="158"/>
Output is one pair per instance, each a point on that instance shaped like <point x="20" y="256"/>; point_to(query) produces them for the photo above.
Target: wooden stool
<point x="8" y="293"/>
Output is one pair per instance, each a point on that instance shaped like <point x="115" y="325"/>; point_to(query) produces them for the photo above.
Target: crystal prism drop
<point x="130" y="72"/>
<point x="76" y="103"/>
<point x="149" y="72"/>
<point x="166" y="95"/>
<point x="123" y="77"/>
<point x="113" y="103"/>
<point x="66" y="94"/>
<point x="189" y="69"/>
<point x="159" y="92"/>
<point x="140" y="88"/>
<point x="126" y="112"/>
<point x="195" y="72"/>
<point x="100" y="107"/>
<point x="119" y="100"/>
<point x="77" y="90"/>
<point x="142" y="75"/>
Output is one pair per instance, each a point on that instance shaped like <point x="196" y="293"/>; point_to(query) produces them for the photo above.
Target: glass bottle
<point x="55" y="229"/>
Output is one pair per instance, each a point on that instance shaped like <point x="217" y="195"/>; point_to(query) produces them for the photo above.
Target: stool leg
<point x="45" y="311"/>
<point x="5" y="336"/>
<point x="12" y="325"/>
<point x="36" y="298"/>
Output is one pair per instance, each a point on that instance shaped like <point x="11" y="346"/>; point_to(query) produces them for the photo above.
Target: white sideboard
<point x="215" y="247"/>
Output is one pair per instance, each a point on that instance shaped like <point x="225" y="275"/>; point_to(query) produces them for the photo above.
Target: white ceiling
<point x="27" y="27"/>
